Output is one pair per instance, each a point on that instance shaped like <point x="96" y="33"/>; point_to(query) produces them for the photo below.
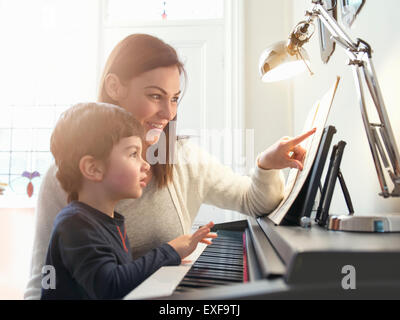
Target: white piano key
<point x="164" y="281"/>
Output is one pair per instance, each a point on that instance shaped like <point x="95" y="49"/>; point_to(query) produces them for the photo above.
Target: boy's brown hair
<point x="88" y="129"/>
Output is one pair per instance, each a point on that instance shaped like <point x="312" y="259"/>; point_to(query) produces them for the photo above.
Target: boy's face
<point x="126" y="170"/>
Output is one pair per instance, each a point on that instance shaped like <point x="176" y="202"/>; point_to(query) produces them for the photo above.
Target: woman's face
<point x="152" y="98"/>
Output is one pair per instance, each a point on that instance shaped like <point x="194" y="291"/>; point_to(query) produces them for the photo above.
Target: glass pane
<point x="4" y="179"/>
<point x="4" y="162"/>
<point x="39" y="117"/>
<point x="19" y="184"/>
<point x="20" y="162"/>
<point x="131" y="11"/>
<point x="3" y="188"/>
<point x="21" y="140"/>
<point x="41" y="161"/>
<point x="5" y="116"/>
<point x="41" y="139"/>
<point x="5" y="136"/>
<point x="31" y="116"/>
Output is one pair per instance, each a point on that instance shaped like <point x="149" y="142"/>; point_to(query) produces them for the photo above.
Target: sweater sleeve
<point x="51" y="199"/>
<point x="213" y="183"/>
<point x="91" y="261"/>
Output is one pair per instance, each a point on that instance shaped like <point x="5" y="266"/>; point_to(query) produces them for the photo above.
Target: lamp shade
<point x="276" y="63"/>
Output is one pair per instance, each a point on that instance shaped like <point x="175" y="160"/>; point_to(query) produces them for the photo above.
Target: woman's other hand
<point x="285" y="153"/>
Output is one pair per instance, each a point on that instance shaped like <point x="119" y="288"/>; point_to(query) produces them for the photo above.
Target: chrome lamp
<point x="285" y="59"/>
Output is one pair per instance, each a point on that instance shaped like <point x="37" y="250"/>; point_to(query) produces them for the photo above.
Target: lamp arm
<point x="361" y="61"/>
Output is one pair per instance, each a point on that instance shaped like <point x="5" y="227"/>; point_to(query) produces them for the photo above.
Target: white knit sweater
<point x="161" y="215"/>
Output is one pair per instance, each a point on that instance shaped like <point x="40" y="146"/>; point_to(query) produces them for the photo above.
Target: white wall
<point x="378" y="25"/>
<point x="267" y="106"/>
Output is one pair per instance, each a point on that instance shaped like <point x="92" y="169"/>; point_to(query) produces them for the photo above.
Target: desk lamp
<point x="286" y="59"/>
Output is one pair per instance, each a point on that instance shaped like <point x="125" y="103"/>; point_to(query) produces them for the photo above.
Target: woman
<point x="143" y="75"/>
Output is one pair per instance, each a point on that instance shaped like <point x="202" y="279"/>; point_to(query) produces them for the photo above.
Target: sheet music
<point x="316" y="119"/>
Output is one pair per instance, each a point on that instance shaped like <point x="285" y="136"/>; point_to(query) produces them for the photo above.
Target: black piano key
<point x="204" y="269"/>
<point x="193" y="284"/>
<point x="221" y="255"/>
<point x="234" y="262"/>
<point x="215" y="274"/>
<point x="181" y="289"/>
<point x="187" y="282"/>
<point x="224" y="248"/>
<point x="209" y="273"/>
<point x="214" y="266"/>
<point x="225" y="252"/>
<point x="226" y="243"/>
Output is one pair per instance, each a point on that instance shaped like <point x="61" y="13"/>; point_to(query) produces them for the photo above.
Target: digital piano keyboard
<point x="254" y="259"/>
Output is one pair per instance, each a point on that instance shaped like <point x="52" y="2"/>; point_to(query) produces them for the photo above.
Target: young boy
<point x="97" y="149"/>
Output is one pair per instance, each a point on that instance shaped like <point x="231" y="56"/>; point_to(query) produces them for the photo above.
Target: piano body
<point x="255" y="259"/>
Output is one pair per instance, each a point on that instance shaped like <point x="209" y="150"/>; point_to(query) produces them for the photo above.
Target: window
<point x="48" y="62"/>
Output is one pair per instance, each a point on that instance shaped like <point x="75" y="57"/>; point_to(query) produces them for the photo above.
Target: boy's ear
<point x="114" y="88"/>
<point x="91" y="168"/>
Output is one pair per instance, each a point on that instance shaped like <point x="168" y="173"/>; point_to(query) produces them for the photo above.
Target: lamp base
<point x="376" y="224"/>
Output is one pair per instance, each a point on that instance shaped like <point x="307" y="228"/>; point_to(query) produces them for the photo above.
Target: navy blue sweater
<point x="92" y="259"/>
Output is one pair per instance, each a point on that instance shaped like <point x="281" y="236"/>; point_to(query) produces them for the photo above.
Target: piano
<point x="255" y="259"/>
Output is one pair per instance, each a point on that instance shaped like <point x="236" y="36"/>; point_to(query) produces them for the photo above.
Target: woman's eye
<point x="155" y="96"/>
<point x="175" y="99"/>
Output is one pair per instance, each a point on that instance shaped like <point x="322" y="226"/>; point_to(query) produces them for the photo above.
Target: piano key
<point x="225" y="252"/>
<point x="227" y="272"/>
<point x="213" y="266"/>
<point x="234" y="262"/>
<point x="226" y="244"/>
<point x="203" y="282"/>
<point x="211" y="275"/>
<point x="222" y="255"/>
<point x="226" y="247"/>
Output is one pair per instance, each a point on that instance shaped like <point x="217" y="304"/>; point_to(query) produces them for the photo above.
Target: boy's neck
<point x="98" y="201"/>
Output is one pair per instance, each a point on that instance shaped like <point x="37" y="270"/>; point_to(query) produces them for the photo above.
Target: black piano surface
<point x="291" y="262"/>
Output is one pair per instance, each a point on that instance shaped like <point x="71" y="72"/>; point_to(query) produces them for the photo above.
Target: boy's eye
<point x="134" y="154"/>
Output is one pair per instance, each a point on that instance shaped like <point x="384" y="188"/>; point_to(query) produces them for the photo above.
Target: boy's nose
<point x="145" y="166"/>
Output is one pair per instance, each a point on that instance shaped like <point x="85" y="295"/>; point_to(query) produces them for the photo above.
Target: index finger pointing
<point x="302" y="137"/>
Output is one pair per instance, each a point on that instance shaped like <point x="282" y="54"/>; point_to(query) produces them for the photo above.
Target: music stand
<point x="301" y="210"/>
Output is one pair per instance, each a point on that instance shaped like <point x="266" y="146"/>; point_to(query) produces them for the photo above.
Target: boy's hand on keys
<point x="186" y="244"/>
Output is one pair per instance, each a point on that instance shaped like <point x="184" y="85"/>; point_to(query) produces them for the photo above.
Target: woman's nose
<point x="168" y="110"/>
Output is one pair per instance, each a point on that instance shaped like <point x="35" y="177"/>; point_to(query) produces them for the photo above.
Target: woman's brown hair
<point x="134" y="55"/>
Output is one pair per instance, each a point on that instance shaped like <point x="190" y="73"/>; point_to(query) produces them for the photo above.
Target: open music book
<point x="316" y="118"/>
